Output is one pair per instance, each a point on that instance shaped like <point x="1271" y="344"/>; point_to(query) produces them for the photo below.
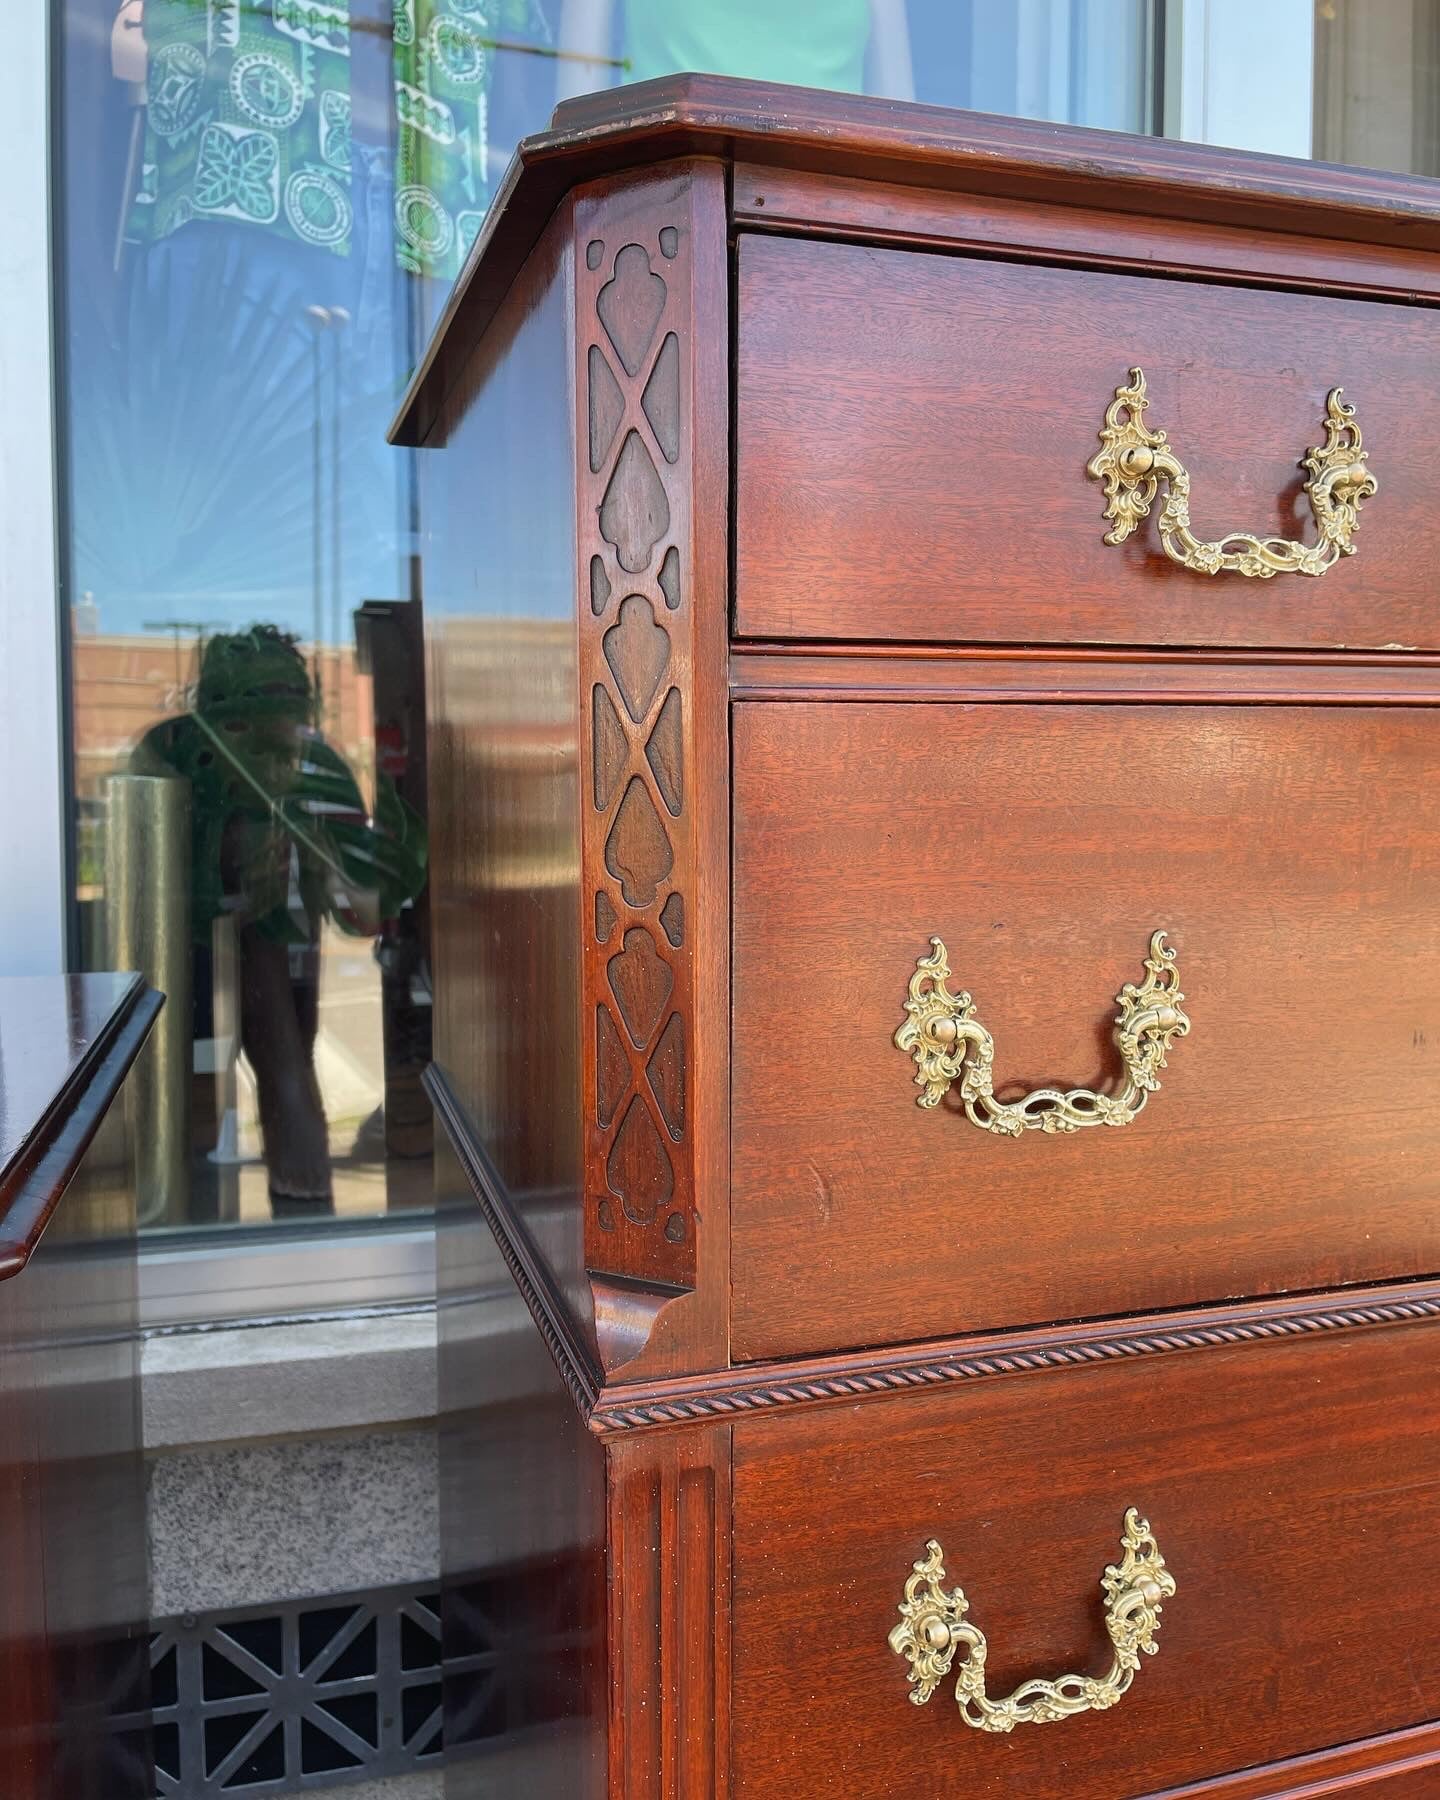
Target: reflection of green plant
<point x="279" y="821"/>
<point x="89" y="851"/>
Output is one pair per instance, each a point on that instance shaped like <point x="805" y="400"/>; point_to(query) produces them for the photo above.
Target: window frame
<point x="205" y="1275"/>
<point x="34" y="820"/>
<point x="1266" y="100"/>
<point x="202" y="1276"/>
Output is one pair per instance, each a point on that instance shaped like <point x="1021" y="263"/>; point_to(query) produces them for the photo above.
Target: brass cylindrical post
<point x="147" y="920"/>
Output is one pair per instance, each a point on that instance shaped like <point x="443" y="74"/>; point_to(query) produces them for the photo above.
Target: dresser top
<point x="855" y="136"/>
<point x="66" y="1042"/>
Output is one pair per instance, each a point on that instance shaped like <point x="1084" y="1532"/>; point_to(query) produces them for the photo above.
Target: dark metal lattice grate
<point x="297" y="1696"/>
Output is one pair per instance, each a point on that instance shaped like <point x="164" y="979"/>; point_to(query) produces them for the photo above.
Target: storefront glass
<point x="260" y="207"/>
<point x="264" y="202"/>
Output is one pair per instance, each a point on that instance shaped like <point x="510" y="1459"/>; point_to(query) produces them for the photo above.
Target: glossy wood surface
<point x="670" y="1549"/>
<point x="912" y="433"/>
<point x="844" y="1377"/>
<point x="74" y="1665"/>
<point x="1293" y="856"/>
<point x="650" y="379"/>
<point x="50" y="1029"/>
<point x="522" y="1517"/>
<point x="845" y="137"/>
<point x="799" y="201"/>
<point x="577" y="755"/>
<point x="996" y="674"/>
<point x="688" y="1476"/>
<point x="503" y="756"/>
<point x="1381" y="1781"/>
<point x="1292" y="1490"/>
<point x="65" y="1046"/>
<point x="1400" y="1766"/>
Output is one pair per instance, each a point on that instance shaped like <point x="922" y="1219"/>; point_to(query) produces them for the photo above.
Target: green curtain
<point x="444" y="54"/>
<point x="248" y="120"/>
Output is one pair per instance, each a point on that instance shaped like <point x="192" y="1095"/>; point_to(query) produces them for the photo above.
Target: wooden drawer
<point x="1292" y="1489"/>
<point x="913" y="430"/>
<point x="1292" y="855"/>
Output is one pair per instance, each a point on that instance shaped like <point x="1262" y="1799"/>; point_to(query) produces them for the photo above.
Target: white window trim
<point x="33" y="809"/>
<point x="1241" y="73"/>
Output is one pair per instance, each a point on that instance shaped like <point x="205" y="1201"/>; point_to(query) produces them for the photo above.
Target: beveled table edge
<point x="34" y="1183"/>
<point x="846" y="1376"/>
<point x="685" y="116"/>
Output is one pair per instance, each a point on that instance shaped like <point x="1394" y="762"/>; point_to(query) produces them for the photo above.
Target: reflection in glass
<point x="282" y="842"/>
<point x="1089" y="62"/>
<point x="263" y="204"/>
<point x="1377" y="83"/>
<point x="822" y="45"/>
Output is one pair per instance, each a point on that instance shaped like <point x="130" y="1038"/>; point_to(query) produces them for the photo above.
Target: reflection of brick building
<point x="125" y="683"/>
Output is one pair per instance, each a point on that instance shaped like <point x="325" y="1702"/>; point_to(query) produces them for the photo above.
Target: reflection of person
<point x="823" y="44"/>
<point x="282" y="840"/>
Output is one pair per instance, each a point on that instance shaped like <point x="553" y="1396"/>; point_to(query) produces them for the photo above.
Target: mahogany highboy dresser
<point x="840" y="688"/>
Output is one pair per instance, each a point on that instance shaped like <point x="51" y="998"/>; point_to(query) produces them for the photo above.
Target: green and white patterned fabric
<point x="248" y="119"/>
<point x="444" y="55"/>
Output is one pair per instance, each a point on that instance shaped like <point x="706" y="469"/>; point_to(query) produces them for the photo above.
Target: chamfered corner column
<point x="652" y="450"/>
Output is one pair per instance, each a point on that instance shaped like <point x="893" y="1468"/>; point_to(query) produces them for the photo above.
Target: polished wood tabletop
<point x="66" y="1043"/>
<point x="74" y="1673"/>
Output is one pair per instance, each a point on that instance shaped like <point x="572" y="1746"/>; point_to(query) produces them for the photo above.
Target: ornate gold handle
<point x="933" y="1626"/>
<point x="950" y="1044"/>
<point x="1135" y="460"/>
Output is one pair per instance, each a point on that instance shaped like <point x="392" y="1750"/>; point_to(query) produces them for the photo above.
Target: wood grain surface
<point x="669" y="1537"/>
<point x="846" y="137"/>
<point x="912" y="434"/>
<point x="800" y="1326"/>
<point x="1403" y="1765"/>
<point x="1292" y="1489"/>
<point x="800" y="201"/>
<point x="650" y="575"/>
<point x="1056" y="676"/>
<point x="1293" y="856"/>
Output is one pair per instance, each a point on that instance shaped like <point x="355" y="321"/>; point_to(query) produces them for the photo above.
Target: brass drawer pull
<point x="950" y="1044"/>
<point x="1135" y="460"/>
<point x="933" y="1625"/>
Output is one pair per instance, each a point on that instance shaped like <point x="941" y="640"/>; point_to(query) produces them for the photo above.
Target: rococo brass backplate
<point x="1135" y="460"/>
<point x="950" y="1044"/>
<point x="933" y="1626"/>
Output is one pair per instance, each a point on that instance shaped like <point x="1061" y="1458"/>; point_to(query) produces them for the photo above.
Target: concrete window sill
<point x="235" y="1384"/>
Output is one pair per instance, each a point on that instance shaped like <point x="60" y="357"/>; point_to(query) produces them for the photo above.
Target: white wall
<point x="1242" y="74"/>
<point x="31" y="784"/>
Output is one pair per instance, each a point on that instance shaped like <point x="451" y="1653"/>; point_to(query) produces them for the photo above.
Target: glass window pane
<point x="263" y="204"/>
<point x="1085" y="61"/>
<point x="1377" y="83"/>
<point x="245" y="271"/>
